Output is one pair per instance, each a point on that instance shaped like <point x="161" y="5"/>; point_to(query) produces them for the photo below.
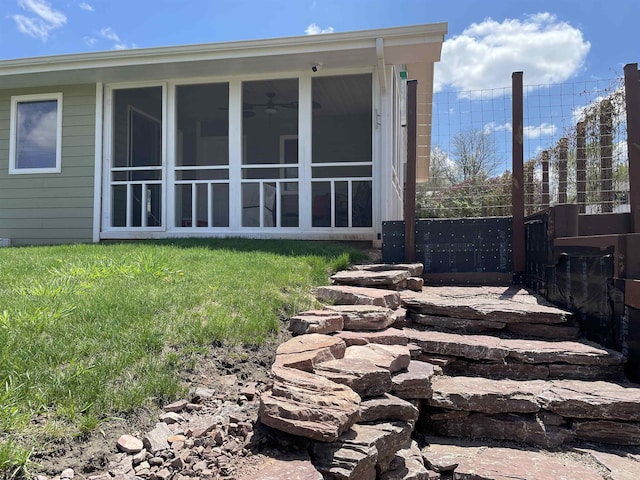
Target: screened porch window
<point x="341" y="168"/>
<point x="202" y="156"/>
<point x="136" y="169"/>
<point x="270" y="168"/>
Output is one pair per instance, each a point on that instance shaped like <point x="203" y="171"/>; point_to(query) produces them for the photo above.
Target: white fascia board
<point x="213" y="51"/>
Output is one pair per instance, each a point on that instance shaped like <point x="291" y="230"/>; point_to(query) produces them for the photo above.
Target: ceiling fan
<point x="270" y="108"/>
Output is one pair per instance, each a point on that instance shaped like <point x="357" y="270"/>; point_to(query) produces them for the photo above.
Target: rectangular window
<point x="36" y="133"/>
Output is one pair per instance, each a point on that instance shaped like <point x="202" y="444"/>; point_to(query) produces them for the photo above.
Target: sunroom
<point x="241" y="155"/>
<point x="298" y="137"/>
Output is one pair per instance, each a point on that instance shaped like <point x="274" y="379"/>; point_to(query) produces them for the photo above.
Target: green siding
<point x="56" y="207"/>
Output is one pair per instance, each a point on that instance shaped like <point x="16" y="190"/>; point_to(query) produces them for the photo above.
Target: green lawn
<point x="92" y="331"/>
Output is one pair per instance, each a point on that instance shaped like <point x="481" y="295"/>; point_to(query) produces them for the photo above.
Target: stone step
<point x="391" y="279"/>
<point x="347" y="295"/>
<point x="393" y="358"/>
<point x="389" y="336"/>
<point x="316" y="321"/>
<point x="414" y="269"/>
<point x="415" y="382"/>
<point x="563" y="331"/>
<point x="362" y="376"/>
<point x="387" y="407"/>
<point x="596" y="400"/>
<point x="479" y="461"/>
<point x="364" y="317"/>
<point x="495" y="304"/>
<point x="382" y="276"/>
<point x="362" y="452"/>
<point x="308" y="405"/>
<point x="547" y="413"/>
<point x="407" y="464"/>
<point x="507" y="357"/>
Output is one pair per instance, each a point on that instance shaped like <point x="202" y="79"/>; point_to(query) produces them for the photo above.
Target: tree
<point x="474" y="155"/>
<point x="464" y="184"/>
<point x="440" y="166"/>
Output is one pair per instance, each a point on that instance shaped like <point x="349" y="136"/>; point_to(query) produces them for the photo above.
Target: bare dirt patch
<point x="225" y="369"/>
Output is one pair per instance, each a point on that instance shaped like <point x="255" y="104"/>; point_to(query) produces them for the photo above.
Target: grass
<point x="93" y="331"/>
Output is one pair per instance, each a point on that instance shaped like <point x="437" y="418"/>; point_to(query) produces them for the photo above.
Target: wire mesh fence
<point x="574" y="149"/>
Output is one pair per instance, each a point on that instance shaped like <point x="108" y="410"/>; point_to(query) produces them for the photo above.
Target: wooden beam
<point x="517" y="186"/>
<point x="632" y="94"/>
<point x="410" y="178"/>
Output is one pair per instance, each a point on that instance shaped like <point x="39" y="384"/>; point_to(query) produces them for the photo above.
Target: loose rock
<point x="130" y="444"/>
<point x="156" y="439"/>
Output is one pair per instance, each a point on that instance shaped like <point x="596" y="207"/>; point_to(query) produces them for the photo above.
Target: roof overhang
<point x="413" y="44"/>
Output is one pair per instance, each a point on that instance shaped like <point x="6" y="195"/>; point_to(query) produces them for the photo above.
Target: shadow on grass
<point x="291" y="248"/>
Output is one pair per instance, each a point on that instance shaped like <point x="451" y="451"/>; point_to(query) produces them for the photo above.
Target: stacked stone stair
<point x="386" y="355"/>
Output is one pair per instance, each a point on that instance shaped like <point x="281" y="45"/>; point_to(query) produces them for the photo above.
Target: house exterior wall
<point x="54" y="207"/>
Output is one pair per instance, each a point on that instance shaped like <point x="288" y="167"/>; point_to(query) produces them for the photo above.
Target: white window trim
<point x="13" y="129"/>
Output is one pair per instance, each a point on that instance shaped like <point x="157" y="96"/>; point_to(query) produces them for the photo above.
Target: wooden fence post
<point x="581" y="166"/>
<point x="410" y="179"/>
<point x="606" y="156"/>
<point x="563" y="153"/>
<point x="632" y="95"/>
<point x="517" y="185"/>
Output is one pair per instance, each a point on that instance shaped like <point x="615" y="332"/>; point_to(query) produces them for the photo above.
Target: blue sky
<point x="48" y="27"/>
<point x="553" y="42"/>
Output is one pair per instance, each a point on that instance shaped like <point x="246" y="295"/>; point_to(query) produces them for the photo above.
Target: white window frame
<point x="13" y="129"/>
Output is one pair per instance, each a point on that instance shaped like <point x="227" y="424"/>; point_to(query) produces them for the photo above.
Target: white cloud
<point x="90" y="41"/>
<point x="109" y="34"/>
<point x="118" y="44"/>
<point x="529" y="131"/>
<point x="85" y="6"/>
<point x="485" y="54"/>
<point x="41" y="18"/>
<point x="533" y="132"/>
<point x="493" y="127"/>
<point x="315" y="29"/>
<point x="124" y="46"/>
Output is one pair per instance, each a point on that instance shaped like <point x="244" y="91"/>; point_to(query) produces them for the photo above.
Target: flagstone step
<point x="389" y="336"/>
<point x="316" y="321"/>
<point x="362" y="451"/>
<point x="453" y="361"/>
<point x="364" y="317"/>
<point x="547" y="413"/>
<point x="468" y="460"/>
<point x="515" y="358"/>
<point x="391" y="279"/>
<point x="564" y="331"/>
<point x="414" y="269"/>
<point x="400" y="277"/>
<point x="347" y="295"/>
<point x="496" y="304"/>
